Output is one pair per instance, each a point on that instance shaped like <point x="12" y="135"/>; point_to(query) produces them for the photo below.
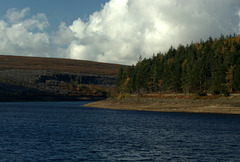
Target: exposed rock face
<point x="43" y="82"/>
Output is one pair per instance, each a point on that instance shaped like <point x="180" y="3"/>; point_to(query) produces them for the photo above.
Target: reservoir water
<point x="67" y="131"/>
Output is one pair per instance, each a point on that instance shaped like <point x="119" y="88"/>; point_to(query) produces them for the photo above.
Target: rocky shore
<point x="219" y="105"/>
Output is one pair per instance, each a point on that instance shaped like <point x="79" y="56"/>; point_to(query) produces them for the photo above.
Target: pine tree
<point x="213" y="66"/>
<point x="229" y="79"/>
<point x="236" y="76"/>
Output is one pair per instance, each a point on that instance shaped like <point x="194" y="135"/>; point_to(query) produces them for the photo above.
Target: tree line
<point x="211" y="66"/>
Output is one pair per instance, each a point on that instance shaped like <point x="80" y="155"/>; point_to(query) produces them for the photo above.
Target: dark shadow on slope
<point x="12" y="93"/>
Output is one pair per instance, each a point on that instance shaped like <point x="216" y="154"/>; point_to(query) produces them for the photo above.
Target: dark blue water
<point x="66" y="131"/>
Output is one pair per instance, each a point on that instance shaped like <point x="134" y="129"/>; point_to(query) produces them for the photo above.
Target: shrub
<point x="200" y="93"/>
<point x="225" y="93"/>
<point x="120" y="96"/>
<point x="215" y="92"/>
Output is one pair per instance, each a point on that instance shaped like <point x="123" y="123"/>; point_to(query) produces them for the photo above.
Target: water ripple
<point x="65" y="131"/>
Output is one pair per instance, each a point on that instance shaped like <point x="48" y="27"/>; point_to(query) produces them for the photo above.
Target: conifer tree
<point x="204" y="66"/>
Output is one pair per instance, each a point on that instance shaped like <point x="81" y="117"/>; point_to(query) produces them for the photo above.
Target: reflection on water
<point x="39" y="131"/>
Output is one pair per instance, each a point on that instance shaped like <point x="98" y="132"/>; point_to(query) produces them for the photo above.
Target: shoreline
<point x="48" y="98"/>
<point x="220" y="105"/>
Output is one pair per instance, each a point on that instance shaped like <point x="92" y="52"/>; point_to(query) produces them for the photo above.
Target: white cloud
<point x="14" y="16"/>
<point x="21" y="36"/>
<point x="125" y="29"/>
<point x="63" y="36"/>
<point x="122" y="30"/>
<point x="239" y="21"/>
<point x="38" y="21"/>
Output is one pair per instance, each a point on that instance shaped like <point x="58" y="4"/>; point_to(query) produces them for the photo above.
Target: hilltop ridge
<point x="58" y="64"/>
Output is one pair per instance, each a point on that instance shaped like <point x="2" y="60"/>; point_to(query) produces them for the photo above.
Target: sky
<point x="112" y="31"/>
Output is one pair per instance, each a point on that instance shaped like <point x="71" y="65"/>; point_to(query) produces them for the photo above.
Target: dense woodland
<point x="211" y="66"/>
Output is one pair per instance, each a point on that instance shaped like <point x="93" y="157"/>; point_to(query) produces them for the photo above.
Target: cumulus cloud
<point x="239" y="21"/>
<point x="125" y="29"/>
<point x="24" y="36"/>
<point x="14" y="16"/>
<point x="122" y="30"/>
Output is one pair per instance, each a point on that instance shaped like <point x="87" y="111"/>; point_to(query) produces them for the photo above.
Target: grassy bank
<point x="174" y="103"/>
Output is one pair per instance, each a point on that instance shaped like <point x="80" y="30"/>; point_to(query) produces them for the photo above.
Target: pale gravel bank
<point x="221" y="105"/>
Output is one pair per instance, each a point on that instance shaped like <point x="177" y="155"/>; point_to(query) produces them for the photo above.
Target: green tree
<point x="218" y="77"/>
<point x="236" y="76"/>
<point x="229" y="79"/>
<point x="212" y="65"/>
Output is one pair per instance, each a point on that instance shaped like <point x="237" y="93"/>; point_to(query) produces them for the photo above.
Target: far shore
<point x="193" y="104"/>
<point x="49" y="98"/>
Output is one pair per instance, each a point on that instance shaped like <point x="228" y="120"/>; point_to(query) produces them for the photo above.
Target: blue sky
<point x="115" y="31"/>
<point x="56" y="10"/>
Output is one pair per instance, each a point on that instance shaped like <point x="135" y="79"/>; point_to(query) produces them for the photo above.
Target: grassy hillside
<point x="56" y="64"/>
<point x="36" y="77"/>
